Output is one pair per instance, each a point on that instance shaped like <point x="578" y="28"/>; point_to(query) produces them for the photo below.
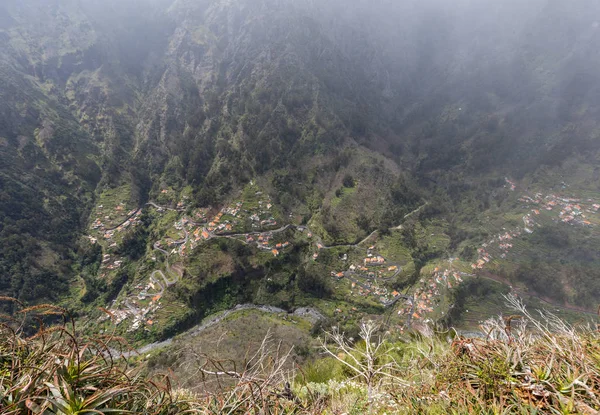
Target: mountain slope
<point x="349" y="114"/>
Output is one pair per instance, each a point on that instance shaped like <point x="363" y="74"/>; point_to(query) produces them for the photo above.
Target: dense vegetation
<point x="168" y="95"/>
<point x="524" y="365"/>
<point x="395" y="129"/>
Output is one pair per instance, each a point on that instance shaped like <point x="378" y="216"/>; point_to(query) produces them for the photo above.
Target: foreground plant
<point x="59" y="371"/>
<point x="525" y="364"/>
<point x="371" y="361"/>
<point x="260" y="384"/>
<point x="521" y="365"/>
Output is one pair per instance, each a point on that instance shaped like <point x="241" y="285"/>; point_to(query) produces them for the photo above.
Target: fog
<point x="532" y="66"/>
<point x="436" y="100"/>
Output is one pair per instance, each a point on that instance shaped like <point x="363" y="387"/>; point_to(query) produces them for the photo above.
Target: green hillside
<point x="324" y="164"/>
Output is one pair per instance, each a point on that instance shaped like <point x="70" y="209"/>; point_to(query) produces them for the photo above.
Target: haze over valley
<point x="174" y="172"/>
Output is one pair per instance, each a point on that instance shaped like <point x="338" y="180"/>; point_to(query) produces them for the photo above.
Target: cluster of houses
<point x="373" y="259"/>
<point x="223" y="223"/>
<point x="264" y="242"/>
<point x="364" y="278"/>
<point x="105" y="229"/>
<point x="219" y="225"/>
<point x="110" y="263"/>
<point x="237" y="215"/>
<point x="264" y="217"/>
<point x="571" y="214"/>
<point x="376" y="260"/>
<point x="138" y="309"/>
<point x="140" y="315"/>
<point x="511" y="185"/>
<point x="370" y="288"/>
<point x="447" y="278"/>
<point x="428" y="294"/>
<point x="500" y="245"/>
<point x="231" y="217"/>
<point x="108" y="235"/>
<point x="570" y="210"/>
<point x="105" y="221"/>
<point x="529" y="223"/>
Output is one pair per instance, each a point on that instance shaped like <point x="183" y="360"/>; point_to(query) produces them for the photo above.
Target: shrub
<point x="61" y="371"/>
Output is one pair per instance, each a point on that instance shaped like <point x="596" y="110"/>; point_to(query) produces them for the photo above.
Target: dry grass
<point x="57" y="370"/>
<point x="525" y="364"/>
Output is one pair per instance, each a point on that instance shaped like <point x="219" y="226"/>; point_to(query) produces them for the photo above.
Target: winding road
<point x="283" y="229"/>
<point x="161" y="207"/>
<point x="163" y="282"/>
<point x="394" y="228"/>
<point x="154" y="280"/>
<point x="166" y="282"/>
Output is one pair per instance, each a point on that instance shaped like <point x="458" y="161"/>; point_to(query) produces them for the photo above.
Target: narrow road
<point x="374" y="232"/>
<point x="166" y="283"/>
<point x="283" y="229"/>
<point x="164" y="277"/>
<point x="124" y="220"/>
<point x="349" y="245"/>
<point x="185" y="238"/>
<point x="235" y="235"/>
<point x="408" y="215"/>
<point x="155" y="246"/>
<point x="161" y="207"/>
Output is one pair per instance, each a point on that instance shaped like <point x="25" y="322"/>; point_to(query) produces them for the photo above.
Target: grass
<point x="344" y="192"/>
<point x="109" y="199"/>
<point x="60" y="370"/>
<point x="233" y="339"/>
<point x="526" y="364"/>
<point x="433" y="235"/>
<point x="392" y="248"/>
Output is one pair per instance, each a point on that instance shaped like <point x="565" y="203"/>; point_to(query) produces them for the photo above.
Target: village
<point x="249" y="222"/>
<point x="366" y="277"/>
<point x="107" y="230"/>
<point x="428" y="295"/>
<point x="540" y="208"/>
<point x="572" y="211"/>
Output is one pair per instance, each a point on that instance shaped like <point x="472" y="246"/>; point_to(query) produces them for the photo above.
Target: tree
<point x="348" y="181"/>
<point x="371" y="361"/>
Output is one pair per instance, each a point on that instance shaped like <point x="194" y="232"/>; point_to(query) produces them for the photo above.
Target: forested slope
<point x="408" y="102"/>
